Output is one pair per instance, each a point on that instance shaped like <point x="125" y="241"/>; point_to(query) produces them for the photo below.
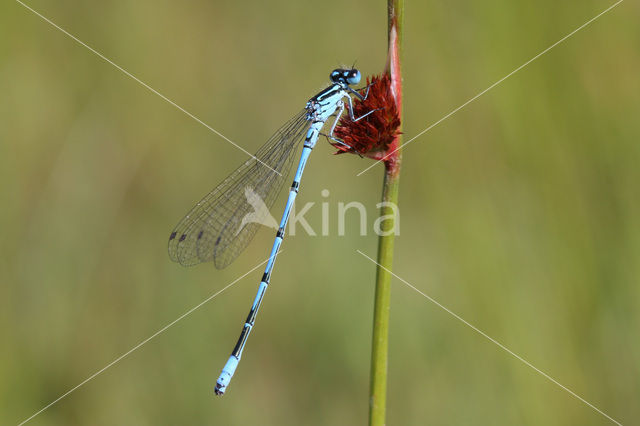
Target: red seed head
<point x="374" y="135"/>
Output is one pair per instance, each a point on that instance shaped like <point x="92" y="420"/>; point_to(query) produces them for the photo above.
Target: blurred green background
<point x="521" y="213"/>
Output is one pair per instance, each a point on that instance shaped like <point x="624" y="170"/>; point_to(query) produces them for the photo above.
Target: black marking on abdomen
<point x="200" y="234"/>
<point x="182" y="237"/>
<point x="173" y="235"/>
<point x="243" y="338"/>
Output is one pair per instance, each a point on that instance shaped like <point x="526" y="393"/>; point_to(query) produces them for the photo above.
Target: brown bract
<point x="375" y="135"/>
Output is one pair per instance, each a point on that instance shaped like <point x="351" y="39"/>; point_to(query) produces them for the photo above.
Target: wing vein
<point x="214" y="228"/>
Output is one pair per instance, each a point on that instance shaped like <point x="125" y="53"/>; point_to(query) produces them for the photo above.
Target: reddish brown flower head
<point x="375" y="135"/>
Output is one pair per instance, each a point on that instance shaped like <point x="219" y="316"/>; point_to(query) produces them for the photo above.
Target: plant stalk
<point x="390" y="189"/>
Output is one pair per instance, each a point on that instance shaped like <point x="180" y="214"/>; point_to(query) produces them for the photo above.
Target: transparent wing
<point x="223" y="223"/>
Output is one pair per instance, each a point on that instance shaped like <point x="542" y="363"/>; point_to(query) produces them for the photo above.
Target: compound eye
<point x="353" y="77"/>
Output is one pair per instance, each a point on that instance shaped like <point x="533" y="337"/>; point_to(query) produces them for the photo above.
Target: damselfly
<point x="223" y="223"/>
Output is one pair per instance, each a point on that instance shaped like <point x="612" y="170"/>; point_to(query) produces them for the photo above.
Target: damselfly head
<point x="348" y="76"/>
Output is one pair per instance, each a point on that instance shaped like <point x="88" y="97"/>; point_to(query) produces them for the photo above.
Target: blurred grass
<point x="521" y="213"/>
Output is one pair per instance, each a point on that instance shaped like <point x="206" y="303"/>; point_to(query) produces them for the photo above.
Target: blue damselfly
<point x="217" y="229"/>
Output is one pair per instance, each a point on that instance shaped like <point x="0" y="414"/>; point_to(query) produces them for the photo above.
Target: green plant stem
<point x="380" y="344"/>
<point x="390" y="189"/>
